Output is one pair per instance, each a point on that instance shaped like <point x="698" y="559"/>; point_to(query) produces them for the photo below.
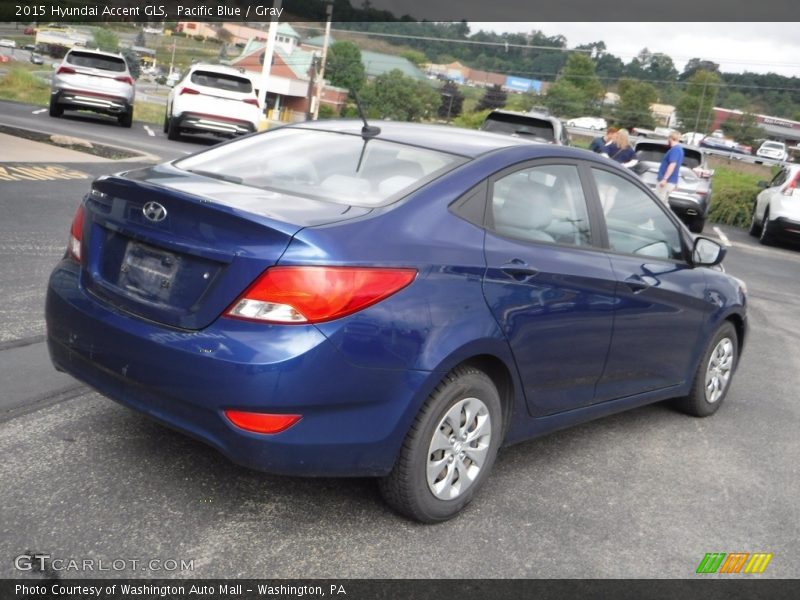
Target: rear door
<point x="550" y="288"/>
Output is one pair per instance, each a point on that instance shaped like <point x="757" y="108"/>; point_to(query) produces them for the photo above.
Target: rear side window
<point x="520" y="125"/>
<point x="324" y="165"/>
<point x="223" y="81"/>
<point x="97" y="61"/>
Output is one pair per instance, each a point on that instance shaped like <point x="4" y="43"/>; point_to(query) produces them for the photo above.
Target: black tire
<point x="702" y="402"/>
<point x="173" y="131"/>
<point x="55" y="109"/>
<point x="697" y="224"/>
<point x="406" y="488"/>
<point x="166" y="121"/>
<point x="755" y="228"/>
<point x="766" y="236"/>
<point x="126" y="118"/>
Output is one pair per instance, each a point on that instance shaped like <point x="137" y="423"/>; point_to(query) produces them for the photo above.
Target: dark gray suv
<point x="536" y="126"/>
<point x="96" y="81"/>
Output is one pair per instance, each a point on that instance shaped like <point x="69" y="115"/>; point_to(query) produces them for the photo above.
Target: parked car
<point x="36" y="59"/>
<point x="212" y="99"/>
<point x="332" y="299"/>
<point x="8" y="44"/>
<point x="96" y="81"/>
<point x="691" y="199"/>
<point x="773" y="150"/>
<point x="776" y="212"/>
<point x="718" y="141"/>
<point x="532" y="126"/>
<point x="692" y="138"/>
<point x="588" y="123"/>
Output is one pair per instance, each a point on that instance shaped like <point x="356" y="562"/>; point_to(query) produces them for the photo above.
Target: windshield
<point x="520" y="125"/>
<point x="323" y="165"/>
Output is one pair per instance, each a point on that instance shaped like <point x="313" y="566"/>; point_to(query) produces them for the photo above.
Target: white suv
<point x="212" y="99"/>
<point x="774" y="150"/>
<point x="776" y="213"/>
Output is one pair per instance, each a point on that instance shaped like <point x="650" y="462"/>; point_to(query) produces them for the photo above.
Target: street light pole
<point x="321" y="72"/>
<point x="268" y="53"/>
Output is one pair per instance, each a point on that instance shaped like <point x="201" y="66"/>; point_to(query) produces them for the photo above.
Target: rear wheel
<point x="697" y="224"/>
<point x="55" y="109"/>
<point x="449" y="450"/>
<point x="173" y="131"/>
<point x="714" y="373"/>
<point x="126" y="118"/>
<point x="755" y="228"/>
<point x="166" y="121"/>
<point x="766" y="236"/>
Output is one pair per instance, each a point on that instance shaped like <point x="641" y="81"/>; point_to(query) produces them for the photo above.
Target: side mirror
<point x="763" y="185"/>
<point x="707" y="253"/>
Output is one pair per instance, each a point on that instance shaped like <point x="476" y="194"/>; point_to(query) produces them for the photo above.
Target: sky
<point x="737" y="47"/>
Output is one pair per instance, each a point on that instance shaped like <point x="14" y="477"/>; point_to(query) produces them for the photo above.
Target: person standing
<point x="670" y="167"/>
<point x="620" y="149"/>
<point x="601" y="141"/>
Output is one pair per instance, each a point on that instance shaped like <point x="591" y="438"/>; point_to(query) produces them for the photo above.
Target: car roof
<point x="95" y="51"/>
<point x="453" y="140"/>
<point x="220" y="69"/>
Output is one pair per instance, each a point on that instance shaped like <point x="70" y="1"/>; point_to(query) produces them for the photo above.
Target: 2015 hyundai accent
<point x="399" y="302"/>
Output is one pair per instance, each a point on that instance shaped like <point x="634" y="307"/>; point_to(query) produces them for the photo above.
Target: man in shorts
<point x="670" y="168"/>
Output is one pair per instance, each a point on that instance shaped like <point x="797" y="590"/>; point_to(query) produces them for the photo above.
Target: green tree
<point x="134" y="63"/>
<point x="344" y="67"/>
<point x="580" y="72"/>
<point x="564" y="98"/>
<point x="696" y="106"/>
<point x="744" y="130"/>
<point x="140" y="40"/>
<point x="493" y="97"/>
<point x="452" y="101"/>
<point x="522" y="102"/>
<point x="106" y="40"/>
<point x="633" y="109"/>
<point x="396" y="96"/>
<point x="415" y="56"/>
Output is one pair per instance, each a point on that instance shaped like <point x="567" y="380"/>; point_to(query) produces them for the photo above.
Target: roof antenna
<point x="367" y="131"/>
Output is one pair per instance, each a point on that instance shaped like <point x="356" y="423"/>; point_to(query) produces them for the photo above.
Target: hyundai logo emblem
<point x="155" y="212"/>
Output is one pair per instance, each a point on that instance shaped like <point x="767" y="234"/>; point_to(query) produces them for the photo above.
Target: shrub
<point x="472" y="120"/>
<point x="732" y="197"/>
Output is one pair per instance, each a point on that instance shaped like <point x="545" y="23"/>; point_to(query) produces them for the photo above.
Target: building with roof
<point x="775" y="128"/>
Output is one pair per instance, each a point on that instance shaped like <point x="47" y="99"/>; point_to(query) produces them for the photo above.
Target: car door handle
<point x="519" y="269"/>
<point x="636" y="283"/>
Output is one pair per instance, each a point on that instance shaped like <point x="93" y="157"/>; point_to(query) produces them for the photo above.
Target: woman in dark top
<point x="619" y="149"/>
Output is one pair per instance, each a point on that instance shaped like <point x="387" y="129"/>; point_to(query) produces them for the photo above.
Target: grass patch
<point x="149" y="112"/>
<point x="733" y="195"/>
<point x="20" y="85"/>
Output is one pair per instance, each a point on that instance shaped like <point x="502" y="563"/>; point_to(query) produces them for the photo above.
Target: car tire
<point x="697" y="224"/>
<point x="755" y="228"/>
<point x="714" y="374"/>
<point x="437" y="474"/>
<point x="55" y="110"/>
<point x="126" y="118"/>
<point x="173" y="131"/>
<point x="766" y="236"/>
<point x="166" y="121"/>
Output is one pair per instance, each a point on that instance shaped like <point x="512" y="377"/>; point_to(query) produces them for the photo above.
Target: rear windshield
<point x="324" y="165"/>
<point x="647" y="153"/>
<point x="520" y="125"/>
<point x="223" y="81"/>
<point x="96" y="61"/>
<point x="774" y="145"/>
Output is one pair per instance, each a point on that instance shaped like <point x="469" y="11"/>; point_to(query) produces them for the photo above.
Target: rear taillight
<point x="317" y="294"/>
<point x="64" y="70"/>
<point x="703" y="173"/>
<point x="76" y="235"/>
<point x="261" y="422"/>
<point x="792" y="185"/>
<point x="125" y="79"/>
<point x="187" y="90"/>
<point x="252" y="101"/>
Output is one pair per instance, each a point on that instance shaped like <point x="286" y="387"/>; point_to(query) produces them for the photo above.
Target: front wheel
<point x="714" y="374"/>
<point x="697" y="224"/>
<point x="449" y="450"/>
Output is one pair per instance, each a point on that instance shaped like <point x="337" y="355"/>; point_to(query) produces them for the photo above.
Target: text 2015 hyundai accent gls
<point x="327" y="299"/>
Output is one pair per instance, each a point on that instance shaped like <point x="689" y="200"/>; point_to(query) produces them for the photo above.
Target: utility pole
<point x="268" y="53"/>
<point x="321" y="71"/>
<point x="699" y="108"/>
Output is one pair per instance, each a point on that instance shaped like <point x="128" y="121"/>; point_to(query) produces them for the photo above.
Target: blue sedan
<point x="399" y="302"/>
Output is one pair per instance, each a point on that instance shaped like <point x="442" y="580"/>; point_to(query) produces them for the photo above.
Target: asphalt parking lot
<point x="644" y="494"/>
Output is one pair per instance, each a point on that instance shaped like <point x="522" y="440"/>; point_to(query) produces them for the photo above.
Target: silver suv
<point x="96" y="81"/>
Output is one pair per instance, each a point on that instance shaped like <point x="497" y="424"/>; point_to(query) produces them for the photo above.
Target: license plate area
<point x="148" y="272"/>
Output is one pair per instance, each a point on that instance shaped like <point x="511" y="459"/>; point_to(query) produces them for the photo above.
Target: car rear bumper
<point x="687" y="205"/>
<point x="353" y="421"/>
<point x="215" y="124"/>
<point x="783" y="228"/>
<point x="97" y="101"/>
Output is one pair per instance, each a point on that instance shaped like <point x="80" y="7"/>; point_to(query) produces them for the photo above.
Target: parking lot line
<point x="723" y="237"/>
<point x="149" y="131"/>
<point x="41" y="110"/>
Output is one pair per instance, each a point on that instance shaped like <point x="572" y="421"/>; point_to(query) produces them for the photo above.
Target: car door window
<point x="780" y="178"/>
<point x="635" y="222"/>
<point x="544" y="204"/>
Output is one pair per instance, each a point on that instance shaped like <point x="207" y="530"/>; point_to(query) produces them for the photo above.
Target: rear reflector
<point x="67" y="70"/>
<point x="261" y="422"/>
<point x="252" y="101"/>
<point x="187" y="90"/>
<point x="792" y="185"/>
<point x="317" y="294"/>
<point x="76" y="235"/>
<point x="124" y="78"/>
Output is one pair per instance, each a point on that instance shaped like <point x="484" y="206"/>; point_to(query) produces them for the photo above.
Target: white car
<point x="8" y="44"/>
<point x="212" y="99"/>
<point x="588" y="123"/>
<point x="776" y="214"/>
<point x="774" y="150"/>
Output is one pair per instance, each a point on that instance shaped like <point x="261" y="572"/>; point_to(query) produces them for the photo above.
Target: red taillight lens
<point x="253" y="101"/>
<point x="792" y="185"/>
<point x="125" y="78"/>
<point x="76" y="235"/>
<point x="187" y="90"/>
<point x="261" y="422"/>
<point x="317" y="294"/>
<point x="62" y="70"/>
